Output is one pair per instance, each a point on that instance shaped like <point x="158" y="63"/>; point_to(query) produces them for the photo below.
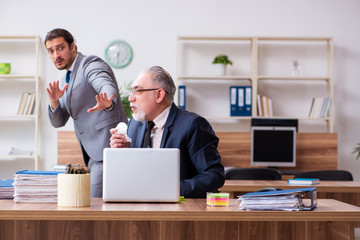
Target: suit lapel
<point x="141" y="135"/>
<point x="169" y="122"/>
<point x="72" y="81"/>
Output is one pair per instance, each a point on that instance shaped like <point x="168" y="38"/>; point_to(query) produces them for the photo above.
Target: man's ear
<point x="160" y="95"/>
<point x="73" y="47"/>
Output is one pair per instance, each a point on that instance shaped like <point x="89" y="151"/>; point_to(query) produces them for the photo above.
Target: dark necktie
<point x="68" y="76"/>
<point x="147" y="139"/>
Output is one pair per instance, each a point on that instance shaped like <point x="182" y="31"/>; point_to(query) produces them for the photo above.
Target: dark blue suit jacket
<point x="201" y="170"/>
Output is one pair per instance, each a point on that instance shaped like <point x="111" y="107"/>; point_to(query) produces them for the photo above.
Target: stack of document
<point x="35" y="186"/>
<point x="6" y="188"/>
<point x="304" y="181"/>
<point x="283" y="200"/>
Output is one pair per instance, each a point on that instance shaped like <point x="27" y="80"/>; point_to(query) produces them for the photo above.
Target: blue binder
<point x="248" y="101"/>
<point x="309" y="193"/>
<point x="6" y="182"/>
<point x="36" y="172"/>
<point x="233" y="101"/>
<point x="182" y="97"/>
<point x="240" y="101"/>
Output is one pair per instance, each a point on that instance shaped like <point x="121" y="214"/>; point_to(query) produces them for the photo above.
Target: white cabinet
<point x="266" y="64"/>
<point x="21" y="132"/>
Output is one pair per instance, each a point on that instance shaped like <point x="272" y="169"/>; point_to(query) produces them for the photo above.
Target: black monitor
<point x="275" y="122"/>
<point x="273" y="146"/>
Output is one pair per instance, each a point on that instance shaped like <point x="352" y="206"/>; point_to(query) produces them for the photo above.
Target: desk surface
<point x="324" y="186"/>
<point x="189" y="210"/>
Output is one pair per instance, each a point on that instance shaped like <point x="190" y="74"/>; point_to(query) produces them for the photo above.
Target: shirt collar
<point x="73" y="64"/>
<point x="160" y="120"/>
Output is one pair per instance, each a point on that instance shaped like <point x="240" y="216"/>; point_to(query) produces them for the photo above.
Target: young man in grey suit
<point x="89" y="94"/>
<point x="151" y="101"/>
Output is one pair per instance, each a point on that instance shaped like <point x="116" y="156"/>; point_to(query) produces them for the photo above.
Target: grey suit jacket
<point x="90" y="76"/>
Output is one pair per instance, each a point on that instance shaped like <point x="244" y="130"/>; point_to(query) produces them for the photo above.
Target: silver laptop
<point x="141" y="175"/>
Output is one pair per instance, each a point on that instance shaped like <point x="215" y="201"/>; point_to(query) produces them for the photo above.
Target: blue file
<point x="36" y="172"/>
<point x="248" y="101"/>
<point x="233" y="101"/>
<point x="240" y="101"/>
<point x="6" y="182"/>
<point x="182" y="97"/>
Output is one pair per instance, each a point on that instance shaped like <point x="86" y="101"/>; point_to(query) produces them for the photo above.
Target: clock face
<point x="118" y="54"/>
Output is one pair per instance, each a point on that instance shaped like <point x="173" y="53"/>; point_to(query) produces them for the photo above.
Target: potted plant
<point x="74" y="186"/>
<point x="124" y="95"/>
<point x="221" y="61"/>
<point x="357" y="151"/>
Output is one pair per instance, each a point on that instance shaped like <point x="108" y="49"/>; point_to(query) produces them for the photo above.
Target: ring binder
<point x="300" y="199"/>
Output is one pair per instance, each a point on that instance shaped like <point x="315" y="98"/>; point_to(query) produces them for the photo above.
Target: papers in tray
<point x="36" y="186"/>
<point x="284" y="200"/>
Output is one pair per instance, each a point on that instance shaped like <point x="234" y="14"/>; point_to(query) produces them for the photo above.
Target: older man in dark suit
<point x="151" y="100"/>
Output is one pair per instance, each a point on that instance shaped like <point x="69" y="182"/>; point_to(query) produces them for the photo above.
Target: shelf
<point x="290" y="78"/>
<point x="16" y="157"/>
<point x="300" y="39"/>
<point x="214" y="78"/>
<point x="18" y="118"/>
<point x="296" y="117"/>
<point x="213" y="118"/>
<point x="32" y="38"/>
<point x="19" y="78"/>
<point x="194" y="38"/>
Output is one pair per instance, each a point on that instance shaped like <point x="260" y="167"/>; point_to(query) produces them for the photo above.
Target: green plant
<point x="357" y="150"/>
<point x="222" y="59"/>
<point x="124" y="95"/>
<point x="75" y="169"/>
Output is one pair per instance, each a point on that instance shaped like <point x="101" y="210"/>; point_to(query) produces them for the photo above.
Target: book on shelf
<point x="27" y="103"/>
<point x="327" y="107"/>
<point x="320" y="107"/>
<point x="264" y="105"/>
<point x="31" y="107"/>
<point x="22" y="104"/>
<point x="259" y="106"/>
<point x="303" y="181"/>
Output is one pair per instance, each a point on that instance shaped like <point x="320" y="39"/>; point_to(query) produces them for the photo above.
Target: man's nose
<point x="131" y="97"/>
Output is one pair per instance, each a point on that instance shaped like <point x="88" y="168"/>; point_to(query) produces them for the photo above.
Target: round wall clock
<point x="118" y="54"/>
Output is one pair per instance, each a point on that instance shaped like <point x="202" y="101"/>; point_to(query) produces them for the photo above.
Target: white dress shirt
<point x="158" y="129"/>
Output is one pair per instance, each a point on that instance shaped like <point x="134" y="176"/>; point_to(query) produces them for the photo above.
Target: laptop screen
<point x="141" y="175"/>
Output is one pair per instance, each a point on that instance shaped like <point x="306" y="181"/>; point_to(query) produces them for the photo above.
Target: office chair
<point x="252" y="174"/>
<point x="327" y="175"/>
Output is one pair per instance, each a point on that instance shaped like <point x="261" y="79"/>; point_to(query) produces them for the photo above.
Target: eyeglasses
<point x="137" y="91"/>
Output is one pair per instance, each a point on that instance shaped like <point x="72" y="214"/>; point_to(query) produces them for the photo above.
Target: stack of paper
<point x="284" y="200"/>
<point x="6" y="188"/>
<point x="36" y="186"/>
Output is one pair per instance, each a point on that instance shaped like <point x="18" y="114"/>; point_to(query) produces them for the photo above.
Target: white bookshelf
<point x="20" y="131"/>
<point x="255" y="60"/>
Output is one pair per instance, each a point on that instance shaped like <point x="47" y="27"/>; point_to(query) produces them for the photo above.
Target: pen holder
<point x="217" y="199"/>
<point x="74" y="190"/>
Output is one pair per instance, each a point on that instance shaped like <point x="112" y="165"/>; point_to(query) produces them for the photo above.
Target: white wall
<point x="151" y="27"/>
